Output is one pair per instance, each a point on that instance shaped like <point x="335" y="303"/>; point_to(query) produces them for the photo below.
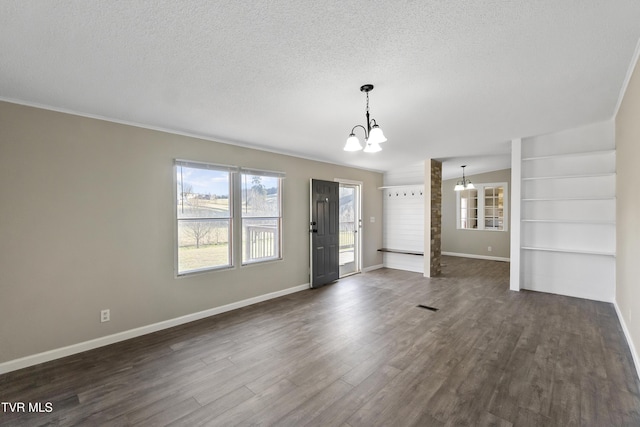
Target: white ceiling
<point x="454" y="80"/>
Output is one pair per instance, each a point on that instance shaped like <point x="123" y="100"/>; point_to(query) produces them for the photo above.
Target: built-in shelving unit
<point x="568" y="212"/>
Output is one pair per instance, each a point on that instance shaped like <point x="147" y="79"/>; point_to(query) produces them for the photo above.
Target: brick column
<point x="436" y="218"/>
<point x="432" y="217"/>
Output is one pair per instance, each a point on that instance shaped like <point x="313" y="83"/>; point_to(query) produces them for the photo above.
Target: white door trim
<point x="360" y="192"/>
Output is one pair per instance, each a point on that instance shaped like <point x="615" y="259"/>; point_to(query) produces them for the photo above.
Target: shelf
<point x="565" y="199"/>
<point x="570" y="251"/>
<point x="580" y="154"/>
<point x="594" y="175"/>
<point x="401" y="251"/>
<point x="571" y="221"/>
<point x="400" y="186"/>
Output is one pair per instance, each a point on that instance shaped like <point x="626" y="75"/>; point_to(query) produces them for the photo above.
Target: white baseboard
<point x="23" y="362"/>
<point x="627" y="335"/>
<point x="371" y="268"/>
<point x="492" y="258"/>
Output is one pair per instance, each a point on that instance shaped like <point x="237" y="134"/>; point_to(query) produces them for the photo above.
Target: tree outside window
<point x="204" y="217"/>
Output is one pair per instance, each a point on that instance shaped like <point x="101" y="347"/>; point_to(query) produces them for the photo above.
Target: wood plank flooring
<point x="358" y="352"/>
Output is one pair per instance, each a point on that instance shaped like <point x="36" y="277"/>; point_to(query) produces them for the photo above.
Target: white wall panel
<point x="594" y="162"/>
<point x="600" y="186"/>
<point x="410" y="174"/>
<point x="403" y="211"/>
<point x="585" y="210"/>
<point x="578" y="237"/>
<point x="404" y="262"/>
<point x="582" y="276"/>
<point x="594" y="137"/>
<point x="403" y="222"/>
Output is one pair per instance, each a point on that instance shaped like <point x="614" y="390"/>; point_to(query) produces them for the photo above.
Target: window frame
<point x="235" y="218"/>
<point x="278" y="219"/>
<point x="481" y="188"/>
<point x="232" y="172"/>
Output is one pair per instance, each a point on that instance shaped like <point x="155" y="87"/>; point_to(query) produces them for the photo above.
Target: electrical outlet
<point x="489" y="248"/>
<point x="105" y="315"/>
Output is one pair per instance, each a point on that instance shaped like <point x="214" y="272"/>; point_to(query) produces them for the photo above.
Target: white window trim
<point x="481" y="197"/>
<point x="279" y="243"/>
<point x="263" y="172"/>
<point x="235" y="219"/>
<point x="232" y="220"/>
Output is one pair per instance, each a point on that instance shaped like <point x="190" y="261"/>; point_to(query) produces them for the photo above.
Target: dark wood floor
<point x="358" y="353"/>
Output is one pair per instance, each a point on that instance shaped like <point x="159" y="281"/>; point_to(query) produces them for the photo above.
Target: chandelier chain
<point x="367" y="102"/>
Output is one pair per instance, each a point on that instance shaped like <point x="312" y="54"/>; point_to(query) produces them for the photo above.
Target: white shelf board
<point x="571" y="221"/>
<point x="401" y="186"/>
<point x="565" y="199"/>
<point x="593" y="175"/>
<point x="570" y="251"/>
<point x="578" y="154"/>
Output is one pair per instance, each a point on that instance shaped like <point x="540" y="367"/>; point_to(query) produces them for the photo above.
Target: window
<point x="468" y="209"/>
<point x="261" y="216"/>
<point x="215" y="202"/>
<point x="204" y="216"/>
<point x="483" y="208"/>
<point x="494" y="208"/>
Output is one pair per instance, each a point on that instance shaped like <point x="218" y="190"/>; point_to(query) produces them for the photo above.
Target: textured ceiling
<point x="453" y="79"/>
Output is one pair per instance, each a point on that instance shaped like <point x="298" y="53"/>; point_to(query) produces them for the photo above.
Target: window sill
<point x="203" y="271"/>
<point x="482" y="229"/>
<point x="261" y="262"/>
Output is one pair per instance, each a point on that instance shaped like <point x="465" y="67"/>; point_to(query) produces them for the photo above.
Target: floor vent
<point x="427" y="307"/>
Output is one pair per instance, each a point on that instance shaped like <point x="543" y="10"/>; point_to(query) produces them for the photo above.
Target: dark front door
<point x="324" y="228"/>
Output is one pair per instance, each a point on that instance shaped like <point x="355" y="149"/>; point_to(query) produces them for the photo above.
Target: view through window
<point x="261" y="217"/>
<point x="210" y="199"/>
<point x="204" y="214"/>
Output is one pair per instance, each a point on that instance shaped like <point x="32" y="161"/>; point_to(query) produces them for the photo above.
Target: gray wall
<point x="473" y="242"/>
<point x="627" y="208"/>
<point x="87" y="223"/>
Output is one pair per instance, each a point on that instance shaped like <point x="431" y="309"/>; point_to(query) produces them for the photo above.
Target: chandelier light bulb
<point x="376" y="135"/>
<point x="353" y="143"/>
<point x="372" y="147"/>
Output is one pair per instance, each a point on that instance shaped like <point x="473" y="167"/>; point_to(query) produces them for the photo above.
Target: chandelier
<point x="373" y="135"/>
<point x="465" y="184"/>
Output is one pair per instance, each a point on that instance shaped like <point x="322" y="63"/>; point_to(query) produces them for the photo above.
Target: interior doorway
<point x="350" y="226"/>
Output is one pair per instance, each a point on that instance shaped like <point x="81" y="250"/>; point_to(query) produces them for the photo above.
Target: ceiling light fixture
<point x="373" y="135"/>
<point x="465" y="184"/>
